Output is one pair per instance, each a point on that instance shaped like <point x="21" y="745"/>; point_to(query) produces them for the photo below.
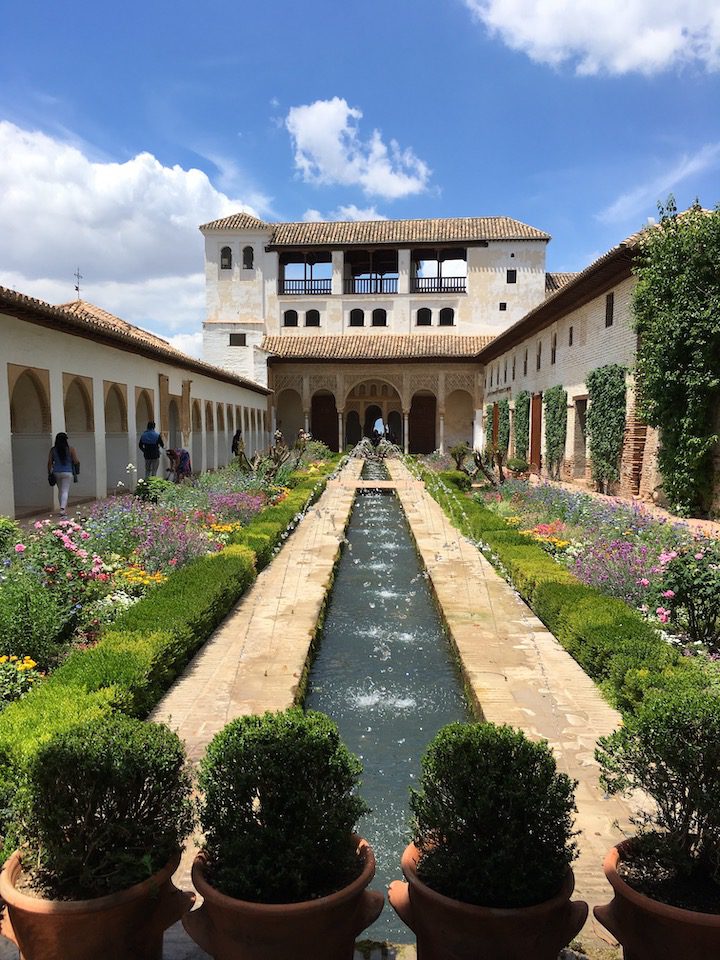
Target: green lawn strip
<point x="619" y="650"/>
<point x="142" y="652"/>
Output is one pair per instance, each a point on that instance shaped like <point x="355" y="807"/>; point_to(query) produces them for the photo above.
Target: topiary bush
<point x="104" y="806"/>
<point x="555" y="404"/>
<point x="670" y="750"/>
<point x="522" y="424"/>
<point x="457" y="478"/>
<point x="493" y="817"/>
<point x="279" y="808"/>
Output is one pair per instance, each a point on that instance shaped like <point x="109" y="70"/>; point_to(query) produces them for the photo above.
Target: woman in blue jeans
<point x="63" y="463"/>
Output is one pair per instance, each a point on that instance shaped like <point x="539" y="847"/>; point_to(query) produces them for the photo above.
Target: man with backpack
<point x="150" y="443"/>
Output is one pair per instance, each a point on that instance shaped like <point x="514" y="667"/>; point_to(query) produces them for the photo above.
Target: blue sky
<point x="124" y="127"/>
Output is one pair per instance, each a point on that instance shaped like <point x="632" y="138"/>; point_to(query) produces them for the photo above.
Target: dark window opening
<point x="538" y="358"/>
<point x="379" y="317"/>
<point x="503" y="305"/>
<point x="248" y="258"/>
<point x="525" y="363"/>
<point x="435" y="270"/>
<point x="424" y="317"/>
<point x="226" y="258"/>
<point x="505" y="373"/>
<point x="512" y="276"/>
<point x="513" y="368"/>
<point x="357" y="318"/>
<point x="447" y="317"/>
<point x="553" y="348"/>
<point x="290" y="318"/>
<point x="570" y="336"/>
<point x="238" y="339"/>
<point x="609" y="309"/>
<point x="312" y="318"/>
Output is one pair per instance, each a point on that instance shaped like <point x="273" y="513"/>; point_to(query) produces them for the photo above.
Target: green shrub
<point x="9" y="534"/>
<point x="152" y="489"/>
<point x="457" y="478"/>
<point x="691" y="581"/>
<point x="279" y="807"/>
<point x="670" y="750"/>
<point x="518" y="466"/>
<point x="493" y="817"/>
<point x="105" y="806"/>
<point x="34" y="620"/>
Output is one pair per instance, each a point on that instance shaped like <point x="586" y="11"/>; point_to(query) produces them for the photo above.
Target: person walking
<point x="64" y="466"/>
<point x="150" y="443"/>
<point x="236" y="441"/>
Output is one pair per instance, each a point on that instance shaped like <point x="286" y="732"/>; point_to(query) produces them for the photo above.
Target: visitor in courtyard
<point x="63" y="467"/>
<point x="150" y="443"/>
<point x="180" y="467"/>
<point x="236" y="442"/>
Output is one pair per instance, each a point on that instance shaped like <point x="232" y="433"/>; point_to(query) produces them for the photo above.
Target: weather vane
<point x="78" y="277"/>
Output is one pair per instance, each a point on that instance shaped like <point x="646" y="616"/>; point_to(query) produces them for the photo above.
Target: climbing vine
<point x="522" y="425"/>
<point x="677" y="316"/>
<point x="503" y="426"/>
<point x="606" y="422"/>
<point x="555" y="404"/>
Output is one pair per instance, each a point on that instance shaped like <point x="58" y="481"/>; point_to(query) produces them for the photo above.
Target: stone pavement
<point x="514" y="669"/>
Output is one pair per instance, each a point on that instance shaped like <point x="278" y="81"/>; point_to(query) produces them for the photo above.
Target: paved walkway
<point x="515" y="670"/>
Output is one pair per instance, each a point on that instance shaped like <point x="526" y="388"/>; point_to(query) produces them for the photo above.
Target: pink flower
<point x="20" y="548"/>
<point x="663" y="614"/>
<point x="668" y="594"/>
<point x="699" y="556"/>
<point x="85" y="535"/>
<point x="644" y="582"/>
<point x="172" y="562"/>
<point x="666" y="557"/>
<point x="38" y="525"/>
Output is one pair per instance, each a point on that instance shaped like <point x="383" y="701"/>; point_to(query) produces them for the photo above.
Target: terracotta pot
<point x="649" y="930"/>
<point x="323" y="929"/>
<point x="128" y="925"/>
<point x="448" y="929"/>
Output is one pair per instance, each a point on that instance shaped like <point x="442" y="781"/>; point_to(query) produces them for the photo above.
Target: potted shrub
<point x="518" y="468"/>
<point x="666" y="879"/>
<point x="281" y="872"/>
<point x="488" y="872"/>
<point x="105" y="808"/>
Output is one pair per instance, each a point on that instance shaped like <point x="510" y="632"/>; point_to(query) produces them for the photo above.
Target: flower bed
<point x="614" y="643"/>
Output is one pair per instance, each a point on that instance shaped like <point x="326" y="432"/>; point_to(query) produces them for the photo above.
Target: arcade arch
<point x="422" y="421"/>
<point x="324" y="418"/>
<point x="196" y="444"/>
<point x="116" y="437"/>
<point x="30" y="440"/>
<point x="79" y="426"/>
<point x="289" y="417"/>
<point x="368" y="400"/>
<point x="459" y="415"/>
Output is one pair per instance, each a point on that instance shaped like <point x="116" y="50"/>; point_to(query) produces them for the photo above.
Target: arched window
<point x="357" y="318"/>
<point x="379" y="317"/>
<point x="424" y="317"/>
<point x="290" y="318"/>
<point x="226" y="258"/>
<point x="447" y="317"/>
<point x="312" y="318"/>
<point x="248" y="258"/>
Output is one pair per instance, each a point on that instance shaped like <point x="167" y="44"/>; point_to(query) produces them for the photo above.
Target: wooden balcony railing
<point x="438" y="285"/>
<point x="300" y="287"/>
<point x="371" y="285"/>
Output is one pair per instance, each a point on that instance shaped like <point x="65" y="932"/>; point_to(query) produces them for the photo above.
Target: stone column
<point x="98" y="398"/>
<point x="569" y="464"/>
<point x="306" y="415"/>
<point x="7" y="492"/>
<point x="406" y="431"/>
<point x="341" y="438"/>
<point x="403" y="271"/>
<point x="478" y="431"/>
<point x="442" y="432"/>
<point x="134" y="453"/>
<point x="338" y="266"/>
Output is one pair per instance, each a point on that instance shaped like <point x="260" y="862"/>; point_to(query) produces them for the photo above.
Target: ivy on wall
<point x="606" y="422"/>
<point x="677" y="316"/>
<point x="503" y="425"/>
<point x="522" y="425"/>
<point x="555" y="404"/>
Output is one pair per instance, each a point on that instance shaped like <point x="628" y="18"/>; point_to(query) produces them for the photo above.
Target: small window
<point x="447" y="317"/>
<point x="424" y="317"/>
<point x="570" y="336"/>
<point x="312" y="318"/>
<point x="505" y="373"/>
<point x="238" y="339"/>
<point x="553" y="348"/>
<point x="609" y="309"/>
<point x="357" y="318"/>
<point x="226" y="258"/>
<point x="513" y="367"/>
<point x="379" y="317"/>
<point x="512" y="276"/>
<point x="248" y="258"/>
<point x="538" y="356"/>
<point x="290" y="318"/>
<point x="502" y="305"/>
<point x="525" y="363"/>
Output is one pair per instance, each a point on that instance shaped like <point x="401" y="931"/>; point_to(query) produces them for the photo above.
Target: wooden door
<point x="535" y="432"/>
<point x="323" y="420"/>
<point x="422" y="424"/>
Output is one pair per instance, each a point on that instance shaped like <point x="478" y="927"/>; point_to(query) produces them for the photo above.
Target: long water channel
<point x="386" y="674"/>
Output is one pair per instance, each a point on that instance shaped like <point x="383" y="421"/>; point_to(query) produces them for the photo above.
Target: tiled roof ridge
<point x="121" y="330"/>
<point x="377" y="346"/>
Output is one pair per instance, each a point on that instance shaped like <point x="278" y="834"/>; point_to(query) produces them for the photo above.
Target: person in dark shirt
<point x="150" y="443"/>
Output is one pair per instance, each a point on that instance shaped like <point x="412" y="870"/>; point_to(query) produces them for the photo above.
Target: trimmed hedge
<point x="143" y="651"/>
<point x="623" y="653"/>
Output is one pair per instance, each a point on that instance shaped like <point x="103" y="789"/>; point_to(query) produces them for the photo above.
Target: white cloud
<point x="329" y="150"/>
<point x="349" y="212"/>
<point x="610" y="36"/>
<point x="190" y="343"/>
<point x="635" y="202"/>
<point x="131" y="227"/>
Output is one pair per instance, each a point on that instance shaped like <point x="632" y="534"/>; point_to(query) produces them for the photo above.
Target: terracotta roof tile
<point x="375" y="346"/>
<point x="343" y="233"/>
<point x="93" y="322"/>
<point x="553" y="281"/>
